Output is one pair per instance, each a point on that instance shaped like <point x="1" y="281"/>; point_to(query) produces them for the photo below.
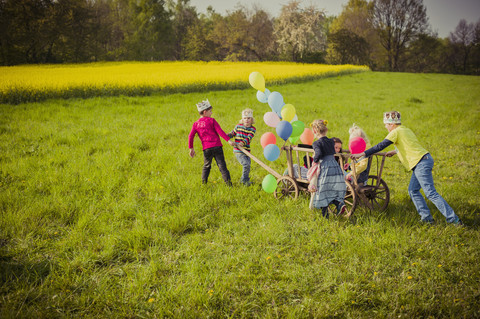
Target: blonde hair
<point x="320" y="126"/>
<point x="250" y="111"/>
<point x="356" y="131"/>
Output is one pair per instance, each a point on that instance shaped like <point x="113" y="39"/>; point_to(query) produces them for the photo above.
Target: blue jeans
<point x="422" y="179"/>
<point x="245" y="161"/>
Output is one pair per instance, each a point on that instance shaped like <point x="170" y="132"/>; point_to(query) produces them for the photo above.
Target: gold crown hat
<point x="247" y="113"/>
<point x="203" y="105"/>
<point x="392" y="117"/>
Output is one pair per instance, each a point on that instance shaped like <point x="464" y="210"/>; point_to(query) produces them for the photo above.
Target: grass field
<point x="103" y="213"/>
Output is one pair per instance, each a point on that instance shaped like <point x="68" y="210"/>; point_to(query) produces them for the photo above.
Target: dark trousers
<point x="208" y="155"/>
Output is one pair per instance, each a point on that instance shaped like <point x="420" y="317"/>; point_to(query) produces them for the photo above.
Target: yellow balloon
<point x="257" y="81"/>
<point x="288" y="112"/>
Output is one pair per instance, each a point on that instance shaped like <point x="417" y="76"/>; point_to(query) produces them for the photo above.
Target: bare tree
<point x="398" y="22"/>
<point x="462" y="39"/>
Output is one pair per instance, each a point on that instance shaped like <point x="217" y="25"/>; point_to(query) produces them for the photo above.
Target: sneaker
<point x="430" y="222"/>
<point x="342" y="210"/>
<point x="458" y="223"/>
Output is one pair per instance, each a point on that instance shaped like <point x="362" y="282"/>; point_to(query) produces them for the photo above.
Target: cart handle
<point x="259" y="162"/>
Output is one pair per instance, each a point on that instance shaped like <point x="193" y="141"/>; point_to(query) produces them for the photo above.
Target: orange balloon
<point x="268" y="138"/>
<point x="307" y="137"/>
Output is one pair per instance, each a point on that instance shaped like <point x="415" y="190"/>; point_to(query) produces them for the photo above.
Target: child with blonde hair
<point x="417" y="159"/>
<point x="209" y="132"/>
<point x="330" y="187"/>
<point x="362" y="168"/>
<point x="243" y="134"/>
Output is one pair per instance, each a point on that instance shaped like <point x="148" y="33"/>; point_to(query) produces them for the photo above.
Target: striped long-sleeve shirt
<point x="242" y="134"/>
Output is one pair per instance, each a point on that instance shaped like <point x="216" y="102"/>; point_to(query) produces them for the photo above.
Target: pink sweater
<point x="209" y="132"/>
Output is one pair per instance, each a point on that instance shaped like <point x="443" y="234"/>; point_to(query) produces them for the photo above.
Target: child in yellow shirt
<point x="417" y="159"/>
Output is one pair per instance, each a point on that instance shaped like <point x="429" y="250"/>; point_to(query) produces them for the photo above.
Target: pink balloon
<point x="268" y="138"/>
<point x="307" y="137"/>
<point x="271" y="119"/>
<point x="357" y="145"/>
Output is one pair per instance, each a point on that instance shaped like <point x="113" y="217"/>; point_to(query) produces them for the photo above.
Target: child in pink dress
<point x="209" y="132"/>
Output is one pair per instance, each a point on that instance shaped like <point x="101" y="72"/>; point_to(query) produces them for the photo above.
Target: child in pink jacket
<point x="209" y="132"/>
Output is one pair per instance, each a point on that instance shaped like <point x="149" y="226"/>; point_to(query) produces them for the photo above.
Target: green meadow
<point x="103" y="213"/>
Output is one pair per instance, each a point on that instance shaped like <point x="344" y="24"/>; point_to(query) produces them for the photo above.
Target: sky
<point x="444" y="15"/>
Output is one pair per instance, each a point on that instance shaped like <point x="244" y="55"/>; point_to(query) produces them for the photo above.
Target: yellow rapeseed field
<point x="34" y="82"/>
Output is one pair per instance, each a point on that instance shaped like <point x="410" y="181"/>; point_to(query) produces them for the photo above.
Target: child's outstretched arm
<point x="219" y="131"/>
<point x="377" y="148"/>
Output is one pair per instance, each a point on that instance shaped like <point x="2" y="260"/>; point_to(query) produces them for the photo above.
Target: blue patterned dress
<point x="331" y="185"/>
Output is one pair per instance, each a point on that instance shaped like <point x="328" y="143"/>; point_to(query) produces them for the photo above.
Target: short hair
<point x="207" y="109"/>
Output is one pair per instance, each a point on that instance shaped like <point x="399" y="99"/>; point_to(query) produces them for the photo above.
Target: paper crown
<point x="247" y="113"/>
<point x="392" y="118"/>
<point x="203" y="105"/>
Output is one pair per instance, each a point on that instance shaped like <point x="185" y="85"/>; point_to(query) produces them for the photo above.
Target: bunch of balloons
<point x="283" y="117"/>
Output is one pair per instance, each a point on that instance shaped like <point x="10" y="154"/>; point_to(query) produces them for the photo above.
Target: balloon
<point x="257" y="81"/>
<point x="307" y="137"/>
<point x="298" y="128"/>
<point x="269" y="183"/>
<point x="262" y="97"/>
<point x="268" y="138"/>
<point x="271" y="119"/>
<point x="271" y="152"/>
<point x="295" y="118"/>
<point x="294" y="139"/>
<point x="357" y="145"/>
<point x="288" y="112"/>
<point x="284" y="130"/>
<point x="275" y="100"/>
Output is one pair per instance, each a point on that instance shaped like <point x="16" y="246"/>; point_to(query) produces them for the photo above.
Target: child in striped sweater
<point x="243" y="134"/>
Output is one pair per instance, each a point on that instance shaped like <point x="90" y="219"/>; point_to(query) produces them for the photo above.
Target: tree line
<point x="386" y="35"/>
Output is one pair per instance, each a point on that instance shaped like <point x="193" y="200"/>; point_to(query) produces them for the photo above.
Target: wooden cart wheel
<point x="350" y="199"/>
<point x="378" y="196"/>
<point x="286" y="187"/>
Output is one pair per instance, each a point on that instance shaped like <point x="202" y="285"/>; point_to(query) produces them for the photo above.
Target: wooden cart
<point x="374" y="195"/>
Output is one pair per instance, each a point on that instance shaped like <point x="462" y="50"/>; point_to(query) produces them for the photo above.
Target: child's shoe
<point x="458" y="223"/>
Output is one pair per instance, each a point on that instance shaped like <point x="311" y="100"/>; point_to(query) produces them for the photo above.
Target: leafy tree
<point x="25" y="30"/>
<point x="262" y="41"/>
<point x="346" y="47"/>
<point x="352" y="34"/>
<point x="152" y="39"/>
<point x="299" y="31"/>
<point x="196" y="44"/>
<point x="185" y="18"/>
<point x="243" y="35"/>
<point x="426" y="54"/>
<point x="398" y="22"/>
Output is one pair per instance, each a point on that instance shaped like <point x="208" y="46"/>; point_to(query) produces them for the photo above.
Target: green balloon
<point x="269" y="183"/>
<point x="297" y="128"/>
<point x="294" y="139"/>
